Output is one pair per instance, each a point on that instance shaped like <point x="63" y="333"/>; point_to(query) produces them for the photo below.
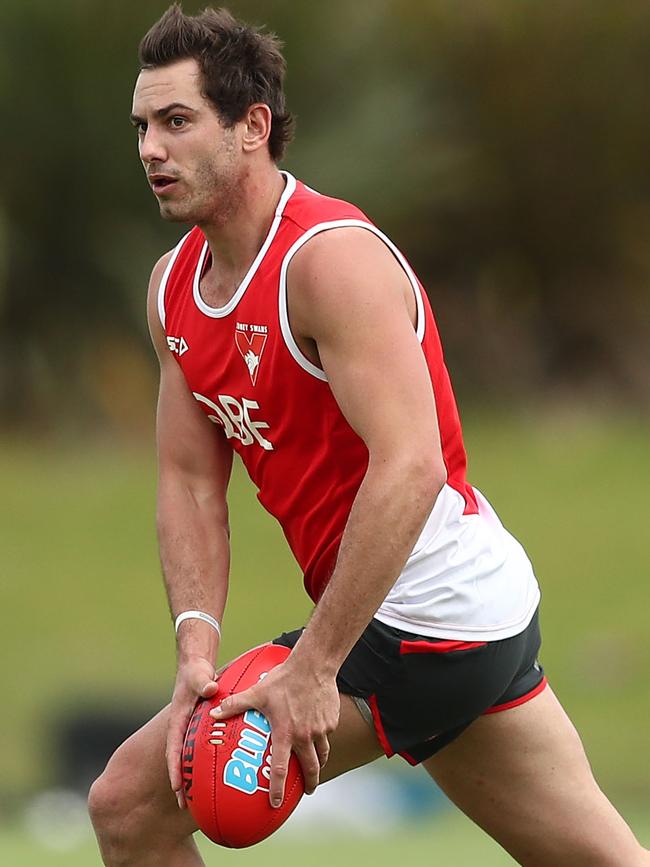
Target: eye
<point x="141" y="128"/>
<point x="177" y="122"/>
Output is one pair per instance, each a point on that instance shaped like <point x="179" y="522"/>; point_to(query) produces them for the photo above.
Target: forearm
<point x="388" y="514"/>
<point x="195" y="555"/>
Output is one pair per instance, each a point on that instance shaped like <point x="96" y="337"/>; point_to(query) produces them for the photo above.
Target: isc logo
<point x="236" y="420"/>
<point x="177" y="345"/>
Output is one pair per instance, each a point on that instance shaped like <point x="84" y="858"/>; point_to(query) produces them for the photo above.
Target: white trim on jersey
<point x="220" y="312"/>
<point x="165" y="278"/>
<point x="466" y="579"/>
<point x="285" y="326"/>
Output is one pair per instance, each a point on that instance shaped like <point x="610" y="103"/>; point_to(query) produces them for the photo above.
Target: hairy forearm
<point x="388" y="514"/>
<point x="195" y="555"/>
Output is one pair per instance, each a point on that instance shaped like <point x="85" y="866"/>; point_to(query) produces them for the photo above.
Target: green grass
<point x="576" y="494"/>
<point x="452" y="840"/>
<point x="85" y="620"/>
<point x="447" y="840"/>
<point x="89" y="621"/>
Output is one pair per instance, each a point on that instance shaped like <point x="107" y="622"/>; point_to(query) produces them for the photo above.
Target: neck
<point x="235" y="241"/>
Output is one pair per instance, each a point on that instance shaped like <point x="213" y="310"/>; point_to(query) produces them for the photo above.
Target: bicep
<point x="349" y="295"/>
<point x="190" y="447"/>
<point x="381" y="383"/>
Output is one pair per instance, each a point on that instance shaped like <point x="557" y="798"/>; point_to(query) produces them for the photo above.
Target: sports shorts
<point x="421" y="693"/>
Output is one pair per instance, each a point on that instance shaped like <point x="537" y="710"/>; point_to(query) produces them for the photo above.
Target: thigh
<point x="137" y="772"/>
<point x="523" y="776"/>
<point x="422" y="692"/>
<point x="354" y="742"/>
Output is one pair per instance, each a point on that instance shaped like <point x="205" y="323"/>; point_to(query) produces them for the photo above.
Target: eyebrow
<point x="161" y="112"/>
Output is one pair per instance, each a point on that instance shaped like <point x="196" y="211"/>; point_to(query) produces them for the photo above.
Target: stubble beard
<point x="215" y="191"/>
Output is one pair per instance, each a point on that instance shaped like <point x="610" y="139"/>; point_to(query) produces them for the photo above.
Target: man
<point x="290" y="329"/>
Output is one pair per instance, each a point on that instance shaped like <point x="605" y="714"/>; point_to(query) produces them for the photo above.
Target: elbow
<point x="420" y="472"/>
<point x="180" y="502"/>
<point x="440" y="481"/>
<point x="430" y="476"/>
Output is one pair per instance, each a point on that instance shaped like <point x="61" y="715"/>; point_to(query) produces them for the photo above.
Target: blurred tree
<point x="545" y="229"/>
<point x="502" y="144"/>
<point x="76" y="236"/>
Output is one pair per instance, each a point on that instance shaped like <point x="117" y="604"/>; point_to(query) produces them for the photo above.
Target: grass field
<point x="85" y="620"/>
<point x="452" y="840"/>
<point x="448" y="840"/>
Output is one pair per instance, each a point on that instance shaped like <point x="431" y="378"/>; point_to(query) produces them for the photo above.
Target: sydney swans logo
<point x="250" y="340"/>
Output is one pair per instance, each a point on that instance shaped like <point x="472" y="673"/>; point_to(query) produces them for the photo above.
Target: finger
<point x="234" y="704"/>
<point x="310" y="764"/>
<point x="280" y="754"/>
<point x="178" y="722"/>
<point x="173" y="769"/>
<point x="173" y="756"/>
<point x="322" y="746"/>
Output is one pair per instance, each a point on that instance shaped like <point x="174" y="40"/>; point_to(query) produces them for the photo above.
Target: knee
<point x="103" y="805"/>
<point x="114" y="818"/>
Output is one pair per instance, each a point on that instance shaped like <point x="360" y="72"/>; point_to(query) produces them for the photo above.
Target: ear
<point x="257" y="127"/>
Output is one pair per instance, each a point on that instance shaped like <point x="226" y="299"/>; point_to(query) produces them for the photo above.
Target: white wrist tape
<point x="198" y="615"/>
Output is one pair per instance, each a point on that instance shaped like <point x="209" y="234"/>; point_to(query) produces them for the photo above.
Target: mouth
<point x="161" y="183"/>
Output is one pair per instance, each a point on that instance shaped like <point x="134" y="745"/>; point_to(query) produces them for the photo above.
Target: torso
<point x="262" y="384"/>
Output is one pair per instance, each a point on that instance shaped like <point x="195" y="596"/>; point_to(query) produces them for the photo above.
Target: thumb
<point x="209" y="689"/>
<point x="199" y="677"/>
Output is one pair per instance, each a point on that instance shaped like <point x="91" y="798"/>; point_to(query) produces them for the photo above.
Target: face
<point x="193" y="163"/>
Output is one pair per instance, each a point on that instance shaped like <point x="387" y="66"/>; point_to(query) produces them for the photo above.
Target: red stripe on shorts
<point x="409" y="758"/>
<point x="497" y="708"/>
<point x="379" y="726"/>
<point x="438" y="646"/>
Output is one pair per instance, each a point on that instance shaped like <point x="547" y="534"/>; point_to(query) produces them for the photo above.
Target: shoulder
<point x="156" y="276"/>
<point x="339" y="250"/>
<point x="158" y="270"/>
<point x="341" y="277"/>
<point x="153" y="316"/>
<point x="346" y="261"/>
<point x="308" y="208"/>
<point x="183" y="255"/>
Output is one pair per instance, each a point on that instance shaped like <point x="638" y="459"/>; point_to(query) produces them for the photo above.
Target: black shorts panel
<point x="423" y="692"/>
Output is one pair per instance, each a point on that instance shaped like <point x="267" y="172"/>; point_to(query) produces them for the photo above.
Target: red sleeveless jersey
<point x="275" y="407"/>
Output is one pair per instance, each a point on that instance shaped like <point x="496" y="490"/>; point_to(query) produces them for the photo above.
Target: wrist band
<point x="198" y="615"/>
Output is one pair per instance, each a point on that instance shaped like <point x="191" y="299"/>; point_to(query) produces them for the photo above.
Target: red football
<point x="226" y="765"/>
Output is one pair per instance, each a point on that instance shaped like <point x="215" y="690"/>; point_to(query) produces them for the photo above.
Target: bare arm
<point x="349" y="304"/>
<point x="194" y="464"/>
<point x="352" y="302"/>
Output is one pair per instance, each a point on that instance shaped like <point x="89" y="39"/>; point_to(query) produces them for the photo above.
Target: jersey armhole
<point x="165" y="278"/>
<point x="283" y="307"/>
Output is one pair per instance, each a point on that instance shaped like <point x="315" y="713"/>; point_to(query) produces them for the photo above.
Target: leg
<point x="523" y="776"/>
<point x="136" y="818"/>
<point x="134" y="812"/>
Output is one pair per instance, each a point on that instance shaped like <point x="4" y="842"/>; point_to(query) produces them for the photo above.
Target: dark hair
<point x="239" y="64"/>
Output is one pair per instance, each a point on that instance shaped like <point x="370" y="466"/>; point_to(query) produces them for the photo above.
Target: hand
<point x="302" y="708"/>
<point x="195" y="679"/>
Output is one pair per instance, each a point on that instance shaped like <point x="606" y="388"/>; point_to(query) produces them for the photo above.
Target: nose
<point x="151" y="147"/>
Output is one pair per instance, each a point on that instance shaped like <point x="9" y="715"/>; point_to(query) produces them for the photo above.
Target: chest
<point x="235" y="364"/>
